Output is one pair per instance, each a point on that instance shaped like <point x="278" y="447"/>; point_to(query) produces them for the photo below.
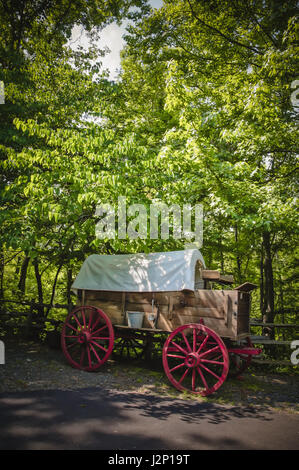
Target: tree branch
<point x="232" y="41"/>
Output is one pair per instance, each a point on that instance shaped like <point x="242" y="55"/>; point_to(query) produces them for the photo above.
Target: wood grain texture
<point x="225" y="311"/>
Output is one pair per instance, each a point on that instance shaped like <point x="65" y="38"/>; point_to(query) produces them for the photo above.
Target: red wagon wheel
<point x="87" y="338"/>
<point x="195" y="359"/>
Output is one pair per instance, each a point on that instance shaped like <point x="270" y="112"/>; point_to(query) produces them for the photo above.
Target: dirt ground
<point x="34" y="366"/>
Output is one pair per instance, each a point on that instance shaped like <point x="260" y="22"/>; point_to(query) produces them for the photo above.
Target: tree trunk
<point x="221" y="256"/>
<point x="23" y="275"/>
<point x="54" y="288"/>
<point x="262" y="299"/>
<point x="39" y="287"/>
<point x="1" y="274"/>
<point x="268" y="313"/>
<point x="69" y="285"/>
<point x="239" y="270"/>
<point x="281" y="305"/>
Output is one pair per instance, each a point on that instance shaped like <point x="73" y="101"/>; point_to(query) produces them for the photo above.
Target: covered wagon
<point x="137" y="301"/>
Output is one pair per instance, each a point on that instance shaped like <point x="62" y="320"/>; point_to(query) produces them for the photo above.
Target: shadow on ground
<point x="100" y="419"/>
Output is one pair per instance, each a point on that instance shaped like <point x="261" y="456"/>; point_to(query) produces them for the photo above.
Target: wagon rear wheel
<point x="195" y="359"/>
<point x="87" y="338"/>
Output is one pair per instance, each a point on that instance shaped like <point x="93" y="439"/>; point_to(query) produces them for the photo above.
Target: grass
<point x="259" y="385"/>
<point x="255" y="388"/>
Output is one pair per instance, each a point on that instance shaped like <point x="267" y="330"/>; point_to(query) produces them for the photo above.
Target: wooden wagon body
<point x="206" y="329"/>
<point x="225" y="311"/>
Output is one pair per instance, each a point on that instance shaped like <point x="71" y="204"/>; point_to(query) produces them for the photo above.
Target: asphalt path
<point x="93" y="418"/>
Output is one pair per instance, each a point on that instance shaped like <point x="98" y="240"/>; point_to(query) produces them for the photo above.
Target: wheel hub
<point x="192" y="360"/>
<point x="84" y="337"/>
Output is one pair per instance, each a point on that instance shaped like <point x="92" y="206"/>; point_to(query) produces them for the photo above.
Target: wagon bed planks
<point x="226" y="311"/>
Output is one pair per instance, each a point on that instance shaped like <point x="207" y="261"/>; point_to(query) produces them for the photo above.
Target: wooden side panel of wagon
<point x="225" y="311"/>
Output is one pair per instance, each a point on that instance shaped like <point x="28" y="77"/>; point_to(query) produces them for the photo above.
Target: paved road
<point x="98" y="419"/>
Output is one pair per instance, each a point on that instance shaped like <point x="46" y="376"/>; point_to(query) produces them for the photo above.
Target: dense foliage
<point x="201" y="113"/>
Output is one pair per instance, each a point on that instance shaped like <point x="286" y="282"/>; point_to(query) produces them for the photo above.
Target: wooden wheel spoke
<point x="202" y="378"/>
<point x="184" y="375"/>
<point x="212" y="362"/>
<point x="95" y="353"/>
<point x="130" y="346"/>
<point x="186" y="341"/>
<point x="216" y="358"/>
<point x="209" y="351"/>
<point x="177" y="367"/>
<point x="179" y="348"/>
<point x="100" y="329"/>
<point x="100" y="337"/>
<point x="209" y="371"/>
<point x="99" y="345"/>
<point x="93" y="325"/>
<point x="134" y="349"/>
<point x="203" y="344"/>
<point x="70" y="326"/>
<point x="175" y="355"/>
<point x="194" y="339"/>
<point x="122" y="348"/>
<point x="77" y="321"/>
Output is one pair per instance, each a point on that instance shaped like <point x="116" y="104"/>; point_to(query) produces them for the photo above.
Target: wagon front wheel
<point x="195" y="359"/>
<point x="87" y="338"/>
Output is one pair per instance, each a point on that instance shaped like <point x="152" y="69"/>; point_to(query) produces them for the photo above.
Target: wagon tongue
<point x="246" y="351"/>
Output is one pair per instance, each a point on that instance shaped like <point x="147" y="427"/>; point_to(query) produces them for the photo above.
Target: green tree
<point x="228" y="69"/>
<point x="49" y="88"/>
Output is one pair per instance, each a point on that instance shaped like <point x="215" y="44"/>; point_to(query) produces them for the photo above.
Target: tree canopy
<point x="201" y="113"/>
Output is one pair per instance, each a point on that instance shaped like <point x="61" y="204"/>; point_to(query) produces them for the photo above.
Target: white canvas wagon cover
<point x="153" y="272"/>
